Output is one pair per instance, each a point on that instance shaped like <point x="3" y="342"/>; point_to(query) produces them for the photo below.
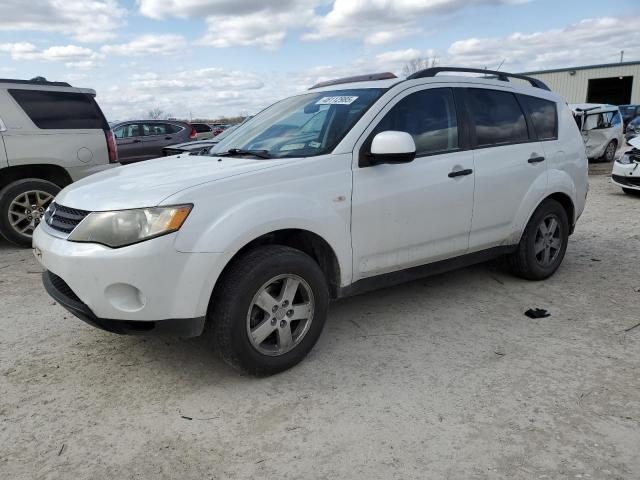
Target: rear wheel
<point x="269" y="309"/>
<point x="610" y="151"/>
<point x="22" y="206"/>
<point x="543" y="243"/>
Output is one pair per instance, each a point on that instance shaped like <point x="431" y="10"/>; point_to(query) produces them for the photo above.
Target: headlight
<point x="625" y="159"/>
<point x="125" y="227"/>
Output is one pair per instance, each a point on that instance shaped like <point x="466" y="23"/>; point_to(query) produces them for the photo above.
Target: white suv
<point x="50" y="135"/>
<point x="356" y="184"/>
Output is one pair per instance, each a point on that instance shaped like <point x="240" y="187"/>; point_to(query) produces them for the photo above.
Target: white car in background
<point x="601" y="127"/>
<point x="393" y="180"/>
<point x="626" y="169"/>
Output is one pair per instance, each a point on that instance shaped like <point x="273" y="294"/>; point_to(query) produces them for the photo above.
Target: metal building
<point x="614" y="83"/>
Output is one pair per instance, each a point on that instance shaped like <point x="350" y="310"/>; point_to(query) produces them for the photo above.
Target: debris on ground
<point x="537" y="313"/>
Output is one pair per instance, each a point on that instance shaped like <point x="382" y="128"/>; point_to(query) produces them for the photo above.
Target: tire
<point x="528" y="261"/>
<point x="234" y="312"/>
<point x="631" y="191"/>
<point x="610" y="151"/>
<point x="32" y="192"/>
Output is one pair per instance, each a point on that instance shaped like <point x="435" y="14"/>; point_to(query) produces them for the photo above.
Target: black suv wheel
<point x="543" y="243"/>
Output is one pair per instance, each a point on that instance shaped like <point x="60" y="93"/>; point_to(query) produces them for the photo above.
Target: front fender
<point x="236" y="226"/>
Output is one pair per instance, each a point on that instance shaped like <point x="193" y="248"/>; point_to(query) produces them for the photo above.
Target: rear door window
<point x="60" y="110"/>
<point x="154" y="129"/>
<point x="544" y="116"/>
<point x="496" y="117"/>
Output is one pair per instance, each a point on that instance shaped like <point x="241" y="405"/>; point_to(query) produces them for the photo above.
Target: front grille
<point x="629" y="181"/>
<point x="61" y="286"/>
<point x="64" y="219"/>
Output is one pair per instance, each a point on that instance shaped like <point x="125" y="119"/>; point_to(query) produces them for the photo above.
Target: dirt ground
<point x="443" y="378"/>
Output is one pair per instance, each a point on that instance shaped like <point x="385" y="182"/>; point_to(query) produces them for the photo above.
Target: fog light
<point x="125" y="297"/>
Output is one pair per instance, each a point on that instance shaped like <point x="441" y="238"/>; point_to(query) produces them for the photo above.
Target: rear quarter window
<point x="544" y="116"/>
<point x="60" y="110"/>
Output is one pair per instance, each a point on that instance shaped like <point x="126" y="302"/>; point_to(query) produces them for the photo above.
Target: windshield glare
<point x="303" y="126"/>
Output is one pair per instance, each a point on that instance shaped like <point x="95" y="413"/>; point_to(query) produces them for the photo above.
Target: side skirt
<point x="421" y="271"/>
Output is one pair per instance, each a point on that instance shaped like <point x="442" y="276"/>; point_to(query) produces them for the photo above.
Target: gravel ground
<point x="439" y="378"/>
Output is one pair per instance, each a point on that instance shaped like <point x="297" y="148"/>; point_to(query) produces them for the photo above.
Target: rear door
<point x="510" y="167"/>
<point x="129" y="141"/>
<point x="156" y="136"/>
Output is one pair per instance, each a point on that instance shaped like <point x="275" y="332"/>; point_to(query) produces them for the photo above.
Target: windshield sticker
<point x="343" y="100"/>
<point x="314" y="144"/>
<point x="292" y="146"/>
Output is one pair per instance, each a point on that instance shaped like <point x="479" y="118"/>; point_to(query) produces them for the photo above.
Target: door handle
<point x="168" y="138"/>
<point x="137" y="141"/>
<point x="536" y="159"/>
<point x="460" y="173"/>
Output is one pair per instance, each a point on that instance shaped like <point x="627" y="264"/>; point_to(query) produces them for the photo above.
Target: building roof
<point x="584" y="67"/>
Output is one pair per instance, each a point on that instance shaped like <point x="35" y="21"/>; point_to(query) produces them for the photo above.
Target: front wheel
<point x="631" y="191"/>
<point x="269" y="309"/>
<point x="22" y="206"/>
<point x="543" y="243"/>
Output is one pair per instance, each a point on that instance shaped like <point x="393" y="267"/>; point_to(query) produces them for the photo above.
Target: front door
<point x="410" y="214"/>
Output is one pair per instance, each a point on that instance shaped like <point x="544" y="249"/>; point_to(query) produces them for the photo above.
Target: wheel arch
<point x="304" y="240"/>
<point x="51" y="173"/>
<point x="566" y="202"/>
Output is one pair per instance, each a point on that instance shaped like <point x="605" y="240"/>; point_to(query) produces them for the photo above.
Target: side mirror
<point x="392" y="147"/>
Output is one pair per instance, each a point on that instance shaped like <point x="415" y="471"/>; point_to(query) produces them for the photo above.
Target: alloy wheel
<point x="280" y="314"/>
<point x="548" y="240"/>
<point x="27" y="210"/>
<point x="610" y="152"/>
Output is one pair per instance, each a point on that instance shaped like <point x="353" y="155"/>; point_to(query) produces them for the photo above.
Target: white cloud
<point x="73" y="56"/>
<point x="83" y="20"/>
<point x="149" y="44"/>
<point x="265" y="23"/>
<point x="261" y="23"/>
<point x="588" y="41"/>
<point x="383" y="21"/>
<point x="205" y="92"/>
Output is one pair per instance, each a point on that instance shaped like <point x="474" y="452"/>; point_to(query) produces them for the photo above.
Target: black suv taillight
<point x="111" y="146"/>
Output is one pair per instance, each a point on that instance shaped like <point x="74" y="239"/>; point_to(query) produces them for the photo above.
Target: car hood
<point x="146" y="184"/>
<point x="194" y="144"/>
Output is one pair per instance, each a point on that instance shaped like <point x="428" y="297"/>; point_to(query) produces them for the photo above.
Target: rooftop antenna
<point x="501" y="63"/>
<point x="621" y="55"/>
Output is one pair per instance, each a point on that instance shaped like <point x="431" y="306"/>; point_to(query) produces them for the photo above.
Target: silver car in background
<point x="51" y="134"/>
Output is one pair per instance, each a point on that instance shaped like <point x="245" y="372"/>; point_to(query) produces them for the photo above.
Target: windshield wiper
<point x="239" y="151"/>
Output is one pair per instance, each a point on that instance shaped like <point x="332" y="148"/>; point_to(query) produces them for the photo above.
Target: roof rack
<point x="357" y="78"/>
<point x="503" y="76"/>
<point x="35" y="81"/>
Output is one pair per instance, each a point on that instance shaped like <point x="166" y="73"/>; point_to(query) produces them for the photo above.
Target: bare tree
<point x="417" y="64"/>
<point x="156" y="114"/>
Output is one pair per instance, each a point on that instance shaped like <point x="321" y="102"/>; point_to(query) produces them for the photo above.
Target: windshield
<point x="302" y="126"/>
<point x="628" y="110"/>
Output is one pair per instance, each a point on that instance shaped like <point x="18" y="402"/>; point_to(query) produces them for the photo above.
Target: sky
<point x="214" y="58"/>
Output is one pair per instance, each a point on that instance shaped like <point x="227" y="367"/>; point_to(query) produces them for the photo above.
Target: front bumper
<point x="62" y="293"/>
<point x="626" y="176"/>
<point x="147" y="282"/>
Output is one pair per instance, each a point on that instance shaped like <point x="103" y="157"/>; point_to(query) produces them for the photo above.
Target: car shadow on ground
<point x="196" y="363"/>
